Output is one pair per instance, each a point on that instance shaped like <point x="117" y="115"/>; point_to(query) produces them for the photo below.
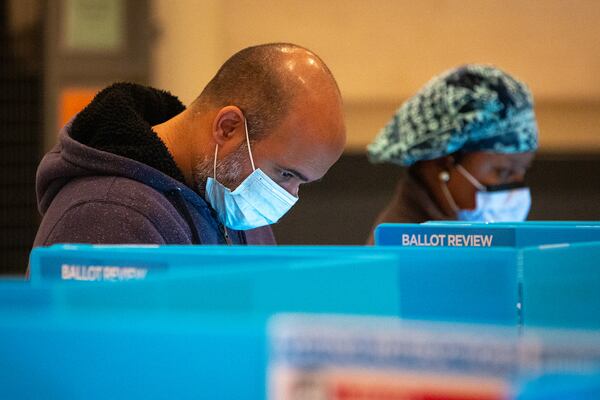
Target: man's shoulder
<point x="120" y="192"/>
<point x="87" y="208"/>
<point x="128" y="192"/>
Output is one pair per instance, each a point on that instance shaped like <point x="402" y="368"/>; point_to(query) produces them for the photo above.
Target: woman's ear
<point x="445" y="163"/>
<point x="228" y="121"/>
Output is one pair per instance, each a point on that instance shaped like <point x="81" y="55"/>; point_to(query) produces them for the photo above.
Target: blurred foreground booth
<point x="513" y="314"/>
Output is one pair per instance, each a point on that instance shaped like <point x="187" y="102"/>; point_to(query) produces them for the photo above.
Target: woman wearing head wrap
<point x="467" y="139"/>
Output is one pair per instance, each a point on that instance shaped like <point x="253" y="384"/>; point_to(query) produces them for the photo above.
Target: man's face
<point x="301" y="149"/>
<point x="302" y="146"/>
<point x="490" y="169"/>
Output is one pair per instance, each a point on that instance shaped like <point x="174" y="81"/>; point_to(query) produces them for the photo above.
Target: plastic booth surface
<point x="348" y="358"/>
<point x="452" y="284"/>
<point x="548" y="285"/>
<point x="78" y="356"/>
<point x="187" y="334"/>
<point x="561" y="286"/>
<point x="96" y="355"/>
<point x="457" y="234"/>
<point x="336" y="286"/>
<point x="126" y="322"/>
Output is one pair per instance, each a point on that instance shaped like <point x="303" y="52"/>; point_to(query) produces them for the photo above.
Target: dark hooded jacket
<point x="111" y="180"/>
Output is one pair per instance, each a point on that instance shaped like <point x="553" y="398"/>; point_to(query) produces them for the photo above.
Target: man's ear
<point x="228" y="121"/>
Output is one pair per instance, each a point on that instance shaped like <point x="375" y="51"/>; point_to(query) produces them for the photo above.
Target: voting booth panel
<point x="131" y="357"/>
<point x="561" y="386"/>
<point x="452" y="284"/>
<point x="443" y="283"/>
<point x="517" y="224"/>
<point x="84" y="263"/>
<point x="346" y="286"/>
<point x="177" y="355"/>
<point x="558" y="282"/>
<point x="494" y="285"/>
<point x="197" y="327"/>
<point x="561" y="286"/>
<point x="258" y="286"/>
<point x="345" y="357"/>
<point x="455" y="234"/>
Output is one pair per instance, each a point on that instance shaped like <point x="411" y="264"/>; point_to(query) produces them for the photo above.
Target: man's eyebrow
<point x="293" y="171"/>
<point x="299" y="175"/>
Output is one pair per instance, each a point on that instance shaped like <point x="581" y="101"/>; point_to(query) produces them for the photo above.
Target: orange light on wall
<point x="73" y="100"/>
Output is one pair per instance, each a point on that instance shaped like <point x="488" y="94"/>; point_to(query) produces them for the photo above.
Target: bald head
<point x="265" y="81"/>
<point x="291" y="105"/>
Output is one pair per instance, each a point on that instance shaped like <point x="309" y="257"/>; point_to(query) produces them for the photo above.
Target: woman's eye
<point x="503" y="173"/>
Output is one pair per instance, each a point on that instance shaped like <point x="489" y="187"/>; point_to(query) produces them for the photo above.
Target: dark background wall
<point x="35" y="67"/>
<point x="21" y="138"/>
<point x="338" y="210"/>
<point x="342" y="207"/>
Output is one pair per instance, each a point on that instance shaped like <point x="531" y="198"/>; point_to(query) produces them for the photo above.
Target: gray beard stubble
<point x="229" y="169"/>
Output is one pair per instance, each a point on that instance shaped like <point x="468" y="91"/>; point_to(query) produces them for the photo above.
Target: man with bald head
<point x="136" y="166"/>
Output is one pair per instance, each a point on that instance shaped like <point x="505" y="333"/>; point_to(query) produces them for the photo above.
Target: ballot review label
<point x="70" y="272"/>
<point x="455" y="240"/>
<point x="95" y="269"/>
<point x="443" y="236"/>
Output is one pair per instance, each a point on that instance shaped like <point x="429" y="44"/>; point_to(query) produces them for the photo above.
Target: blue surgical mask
<point x="506" y="203"/>
<point x="257" y="201"/>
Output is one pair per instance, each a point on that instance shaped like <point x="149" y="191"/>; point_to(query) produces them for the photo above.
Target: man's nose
<point x="292" y="188"/>
<point x="295" y="190"/>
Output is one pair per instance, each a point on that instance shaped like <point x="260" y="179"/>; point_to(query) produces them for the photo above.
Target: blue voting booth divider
<point x="303" y="347"/>
<point x="189" y="322"/>
<point x="98" y="355"/>
<point x="157" y="356"/>
<point x="562" y="386"/>
<point x="191" y="333"/>
<point x="261" y="288"/>
<point x="416" y="284"/>
<point x="523" y="223"/>
<point x="558" y="263"/>
<point x="458" y="234"/>
<point x="500" y="285"/>
<point x="100" y="262"/>
<point x="561" y="286"/>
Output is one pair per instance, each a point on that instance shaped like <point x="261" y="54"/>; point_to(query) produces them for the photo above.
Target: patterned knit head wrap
<point x="470" y="108"/>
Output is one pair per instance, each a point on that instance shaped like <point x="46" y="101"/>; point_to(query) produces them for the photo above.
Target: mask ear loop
<point x="215" y="162"/>
<point x="444" y="177"/>
<point x="248" y="142"/>
<point x="249" y="151"/>
<point x="225" y="232"/>
<point x="470" y="178"/>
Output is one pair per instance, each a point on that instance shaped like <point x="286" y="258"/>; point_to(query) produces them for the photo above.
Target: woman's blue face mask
<point x="499" y="203"/>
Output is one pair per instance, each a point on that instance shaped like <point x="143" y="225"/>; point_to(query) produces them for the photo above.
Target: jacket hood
<point x="113" y="136"/>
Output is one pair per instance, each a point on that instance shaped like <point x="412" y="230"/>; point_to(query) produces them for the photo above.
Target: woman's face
<point x="490" y="169"/>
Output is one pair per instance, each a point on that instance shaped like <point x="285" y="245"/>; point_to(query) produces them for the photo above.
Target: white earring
<point x="444" y="176"/>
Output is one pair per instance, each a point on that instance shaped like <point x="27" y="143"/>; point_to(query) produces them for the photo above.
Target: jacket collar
<point x="119" y="121"/>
